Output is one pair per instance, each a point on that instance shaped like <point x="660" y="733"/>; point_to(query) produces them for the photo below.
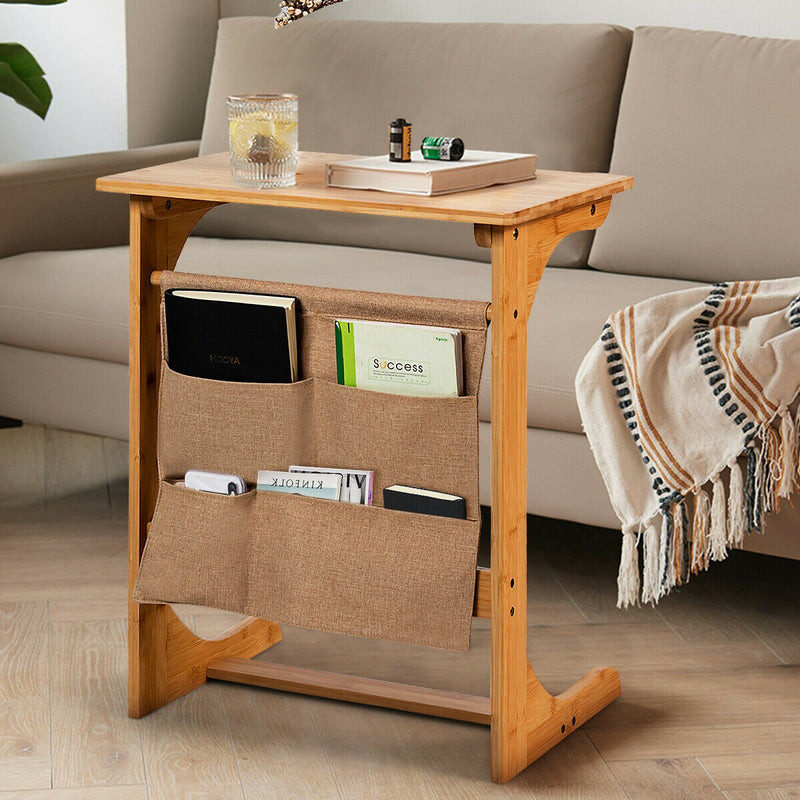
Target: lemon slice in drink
<point x="257" y="139"/>
<point x="244" y="133"/>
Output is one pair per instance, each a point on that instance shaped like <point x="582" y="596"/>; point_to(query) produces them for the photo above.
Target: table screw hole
<point x="512" y="611"/>
<point x="574" y="721"/>
<point x="516" y="232"/>
<point x="516" y="313"/>
<point x="593" y="209"/>
<point x="563" y="729"/>
<point x="168" y="204"/>
<point x="511" y="584"/>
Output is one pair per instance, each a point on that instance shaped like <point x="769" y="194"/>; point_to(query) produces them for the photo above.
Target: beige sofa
<point x="702" y="120"/>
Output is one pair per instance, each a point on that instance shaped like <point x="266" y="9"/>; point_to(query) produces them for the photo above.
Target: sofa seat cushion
<point x="69" y="302"/>
<point x="76" y="302"/>
<point x="708" y="126"/>
<point x="567" y="318"/>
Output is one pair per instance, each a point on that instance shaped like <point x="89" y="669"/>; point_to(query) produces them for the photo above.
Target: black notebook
<point x="231" y="336"/>
<point x="424" y="501"/>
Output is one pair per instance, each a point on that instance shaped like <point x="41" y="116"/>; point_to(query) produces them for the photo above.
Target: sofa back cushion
<point x="547" y="89"/>
<point x="709" y="127"/>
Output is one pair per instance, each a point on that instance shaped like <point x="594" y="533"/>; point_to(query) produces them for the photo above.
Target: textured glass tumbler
<point x="263" y="139"/>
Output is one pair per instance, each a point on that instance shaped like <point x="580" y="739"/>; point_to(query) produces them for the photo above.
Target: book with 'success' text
<point x="400" y="359"/>
<point x="477" y="168"/>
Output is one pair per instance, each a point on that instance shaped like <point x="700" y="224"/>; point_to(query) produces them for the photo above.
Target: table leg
<point x="165" y="660"/>
<point x="509" y="481"/>
<point x="526" y="720"/>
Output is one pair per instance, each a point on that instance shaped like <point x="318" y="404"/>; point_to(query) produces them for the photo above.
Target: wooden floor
<point x="710" y="704"/>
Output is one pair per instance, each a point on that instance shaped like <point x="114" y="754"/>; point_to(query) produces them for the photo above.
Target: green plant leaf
<point x="21" y="79"/>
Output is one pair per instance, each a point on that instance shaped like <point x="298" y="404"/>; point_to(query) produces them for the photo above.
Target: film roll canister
<point x="442" y="148"/>
<point x="399" y="140"/>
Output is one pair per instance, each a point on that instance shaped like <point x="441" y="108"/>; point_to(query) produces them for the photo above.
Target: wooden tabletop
<point x="209" y="178"/>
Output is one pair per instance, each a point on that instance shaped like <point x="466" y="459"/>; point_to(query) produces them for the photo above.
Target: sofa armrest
<point x="52" y="204"/>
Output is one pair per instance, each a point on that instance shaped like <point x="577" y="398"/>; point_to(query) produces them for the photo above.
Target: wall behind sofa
<point x="124" y="73"/>
<point x="81" y="47"/>
<point x="778" y="18"/>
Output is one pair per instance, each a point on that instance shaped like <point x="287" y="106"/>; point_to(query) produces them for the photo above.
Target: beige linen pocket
<point x="235" y="428"/>
<point x="319" y="564"/>
<point x="417" y="441"/>
<point x="195" y="549"/>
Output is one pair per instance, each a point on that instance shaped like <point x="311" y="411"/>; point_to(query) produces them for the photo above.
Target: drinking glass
<point x="263" y="139"/>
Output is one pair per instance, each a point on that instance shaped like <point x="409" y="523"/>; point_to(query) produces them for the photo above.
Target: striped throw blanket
<point x="690" y="404"/>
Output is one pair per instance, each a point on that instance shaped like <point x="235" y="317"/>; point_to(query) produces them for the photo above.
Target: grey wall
<point x="81" y="47"/>
<point x="123" y="73"/>
<point x="778" y="18"/>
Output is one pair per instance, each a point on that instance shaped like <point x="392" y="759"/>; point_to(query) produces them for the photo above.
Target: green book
<point x="401" y="359"/>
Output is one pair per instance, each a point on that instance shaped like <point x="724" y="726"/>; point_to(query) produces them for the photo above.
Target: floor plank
<point x="75" y="470"/>
<point x="22" y="466"/>
<point x="764" y="593"/>
<point x="277" y="746"/>
<point x="705" y="618"/>
<point x="654" y="740"/>
<point x="188" y="751"/>
<point x="94" y="743"/>
<point x="747" y="771"/>
<point x="666" y="779"/>
<point x="370" y="753"/>
<point x="58" y="557"/>
<point x="589" y="574"/>
<point x="765" y="793"/>
<point x="92" y="608"/>
<point x="82" y="793"/>
<point x="736" y="696"/>
<point x="115" y="460"/>
<point x="770" y="679"/>
<point x="573" y="771"/>
<point x="560" y="655"/>
<point x="455" y="756"/>
<point x="24" y="697"/>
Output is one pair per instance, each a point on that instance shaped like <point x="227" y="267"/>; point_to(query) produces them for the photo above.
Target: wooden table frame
<point x="521" y="223"/>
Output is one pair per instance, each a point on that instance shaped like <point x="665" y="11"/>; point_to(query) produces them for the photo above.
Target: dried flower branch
<point x="297" y="9"/>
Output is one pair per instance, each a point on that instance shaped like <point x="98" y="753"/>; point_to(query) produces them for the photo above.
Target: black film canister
<point x="399" y="140"/>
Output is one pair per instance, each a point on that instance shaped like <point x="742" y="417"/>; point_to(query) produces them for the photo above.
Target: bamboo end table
<point x="521" y="223"/>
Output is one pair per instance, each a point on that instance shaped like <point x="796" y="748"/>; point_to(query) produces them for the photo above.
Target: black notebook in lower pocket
<point x="424" y="501"/>
<point x="231" y="336"/>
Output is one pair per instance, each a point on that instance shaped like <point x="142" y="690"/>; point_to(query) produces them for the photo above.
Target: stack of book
<point x="477" y="169"/>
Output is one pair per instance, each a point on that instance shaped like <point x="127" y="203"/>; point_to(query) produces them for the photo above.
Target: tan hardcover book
<point x="478" y="168"/>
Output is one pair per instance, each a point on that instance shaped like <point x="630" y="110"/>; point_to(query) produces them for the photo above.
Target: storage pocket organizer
<point x="334" y="566"/>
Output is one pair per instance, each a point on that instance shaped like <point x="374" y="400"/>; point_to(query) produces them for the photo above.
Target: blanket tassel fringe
<point x="718" y="536"/>
<point x="628" y="578"/>
<point x="685" y="545"/>
<point x="737" y="516"/>
<point x="700" y="532"/>
<point x="650" y="573"/>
